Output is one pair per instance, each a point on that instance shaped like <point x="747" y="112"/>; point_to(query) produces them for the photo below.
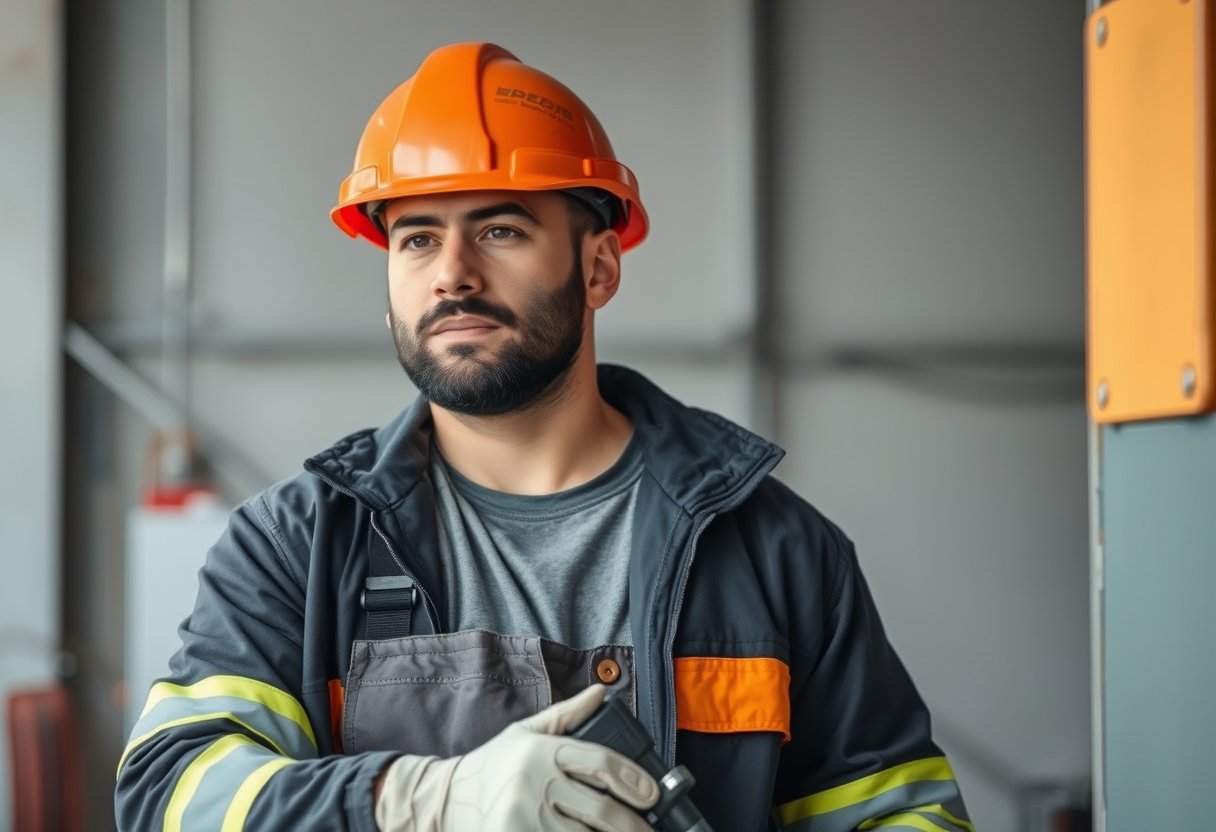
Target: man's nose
<point x="457" y="273"/>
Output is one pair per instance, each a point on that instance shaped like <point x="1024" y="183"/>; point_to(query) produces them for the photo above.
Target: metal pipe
<point x="237" y="342"/>
<point x="765" y="341"/>
<point x="1011" y="372"/>
<point x="289" y="345"/>
<point x="175" y="315"/>
<point x="158" y="409"/>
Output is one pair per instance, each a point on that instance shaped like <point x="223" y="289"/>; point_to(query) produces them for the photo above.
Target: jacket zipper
<point x="431" y="611"/>
<point x="669" y="753"/>
<point x="725" y="504"/>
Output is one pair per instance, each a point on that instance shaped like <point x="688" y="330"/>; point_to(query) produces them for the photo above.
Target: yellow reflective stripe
<point x="867" y="788"/>
<point x="941" y="812"/>
<point x="936" y="809"/>
<point x="238" y="809"/>
<point x="907" y="819"/>
<point x="187" y="784"/>
<point x="187" y="720"/>
<point x="280" y="702"/>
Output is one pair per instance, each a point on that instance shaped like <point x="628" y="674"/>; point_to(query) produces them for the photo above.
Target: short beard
<point x="527" y="372"/>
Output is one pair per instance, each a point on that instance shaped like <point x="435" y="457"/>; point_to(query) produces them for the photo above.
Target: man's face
<point x="486" y="297"/>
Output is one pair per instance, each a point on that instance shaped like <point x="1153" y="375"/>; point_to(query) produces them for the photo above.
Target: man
<point x="402" y="637"/>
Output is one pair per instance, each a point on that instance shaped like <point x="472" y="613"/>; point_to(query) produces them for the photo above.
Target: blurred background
<point x="867" y="244"/>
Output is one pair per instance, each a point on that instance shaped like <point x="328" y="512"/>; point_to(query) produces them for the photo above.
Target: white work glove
<point x="529" y="776"/>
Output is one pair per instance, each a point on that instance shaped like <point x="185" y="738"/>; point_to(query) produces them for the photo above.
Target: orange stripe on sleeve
<point x="719" y="696"/>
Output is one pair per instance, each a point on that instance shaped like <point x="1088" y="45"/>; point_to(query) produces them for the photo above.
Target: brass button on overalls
<point x="608" y="671"/>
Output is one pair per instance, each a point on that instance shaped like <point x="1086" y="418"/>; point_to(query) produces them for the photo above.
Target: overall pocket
<point x="443" y="694"/>
<point x="447" y="694"/>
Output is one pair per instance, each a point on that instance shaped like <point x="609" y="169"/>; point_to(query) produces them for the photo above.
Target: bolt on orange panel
<point x="1149" y="198"/>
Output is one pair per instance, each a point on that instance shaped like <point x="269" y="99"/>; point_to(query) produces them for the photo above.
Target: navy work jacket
<point x="760" y="661"/>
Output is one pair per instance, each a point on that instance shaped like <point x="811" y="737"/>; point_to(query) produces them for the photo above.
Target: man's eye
<point x="415" y="242"/>
<point x="501" y="232"/>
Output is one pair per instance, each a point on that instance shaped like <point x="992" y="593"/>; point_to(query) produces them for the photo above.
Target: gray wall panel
<point x="970" y="524"/>
<point x="1159" y="528"/>
<point x="933" y="153"/>
<point x="929" y="192"/>
<point x="31" y="297"/>
<point x="117" y="199"/>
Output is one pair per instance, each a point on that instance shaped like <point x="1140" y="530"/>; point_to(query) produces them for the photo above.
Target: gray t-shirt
<point x="554" y="566"/>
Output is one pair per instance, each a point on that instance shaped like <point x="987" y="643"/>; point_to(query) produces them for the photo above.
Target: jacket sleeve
<point x="861" y="754"/>
<point x="224" y="741"/>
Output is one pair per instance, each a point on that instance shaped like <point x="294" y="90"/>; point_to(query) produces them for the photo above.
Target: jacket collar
<point x="698" y="458"/>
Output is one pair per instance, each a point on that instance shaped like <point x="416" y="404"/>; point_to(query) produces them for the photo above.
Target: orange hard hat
<point x="475" y="118"/>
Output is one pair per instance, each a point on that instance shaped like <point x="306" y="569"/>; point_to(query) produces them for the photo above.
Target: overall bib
<point x="448" y="693"/>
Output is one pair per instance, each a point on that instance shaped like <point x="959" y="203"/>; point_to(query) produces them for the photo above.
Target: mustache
<point x="468" y="306"/>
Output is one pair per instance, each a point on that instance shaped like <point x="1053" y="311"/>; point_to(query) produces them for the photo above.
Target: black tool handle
<point x="614" y="726"/>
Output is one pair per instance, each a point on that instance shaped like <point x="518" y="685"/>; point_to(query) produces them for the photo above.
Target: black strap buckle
<point x="389" y="603"/>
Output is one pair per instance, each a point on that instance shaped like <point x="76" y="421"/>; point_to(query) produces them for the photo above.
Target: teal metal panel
<point x="1159" y="522"/>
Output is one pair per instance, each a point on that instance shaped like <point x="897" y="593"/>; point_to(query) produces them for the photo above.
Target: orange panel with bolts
<point x="1149" y="198"/>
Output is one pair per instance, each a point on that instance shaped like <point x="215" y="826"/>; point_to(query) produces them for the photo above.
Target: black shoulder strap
<point x="388" y="595"/>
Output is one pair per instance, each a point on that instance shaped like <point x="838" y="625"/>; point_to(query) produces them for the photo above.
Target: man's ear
<point x="388" y="320"/>
<point x="602" y="267"/>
